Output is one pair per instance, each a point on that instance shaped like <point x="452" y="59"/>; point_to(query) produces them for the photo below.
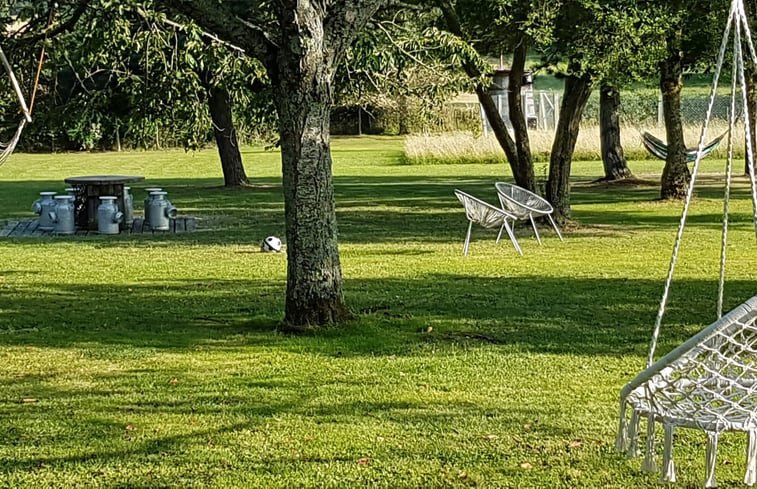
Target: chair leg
<point x="512" y="238"/>
<point x="467" y="239"/>
<point x="533" y="225"/>
<point x="499" y="236"/>
<point x="555" y="226"/>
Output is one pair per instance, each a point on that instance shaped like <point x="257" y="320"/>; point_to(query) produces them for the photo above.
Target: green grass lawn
<point x="154" y="361"/>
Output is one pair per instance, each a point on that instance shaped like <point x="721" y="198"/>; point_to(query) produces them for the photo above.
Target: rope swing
<point x="6" y="148"/>
<point x="709" y="382"/>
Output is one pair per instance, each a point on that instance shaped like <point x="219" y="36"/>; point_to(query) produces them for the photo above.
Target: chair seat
<point x="488" y="216"/>
<point x="524" y="204"/>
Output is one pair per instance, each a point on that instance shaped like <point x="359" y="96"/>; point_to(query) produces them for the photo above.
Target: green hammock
<point x="659" y="148"/>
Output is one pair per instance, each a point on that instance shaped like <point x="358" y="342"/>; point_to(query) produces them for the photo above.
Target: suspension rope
<point x="727" y="192"/>
<point x="690" y="191"/>
<point x="747" y="122"/>
<point x="41" y="57"/>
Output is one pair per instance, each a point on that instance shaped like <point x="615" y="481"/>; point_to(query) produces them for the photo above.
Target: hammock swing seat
<point x="659" y="148"/>
<point x="709" y="382"/>
<point x="6" y="148"/>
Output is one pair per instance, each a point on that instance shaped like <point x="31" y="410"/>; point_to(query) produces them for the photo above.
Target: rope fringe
<point x="649" y="464"/>
<point x="620" y="439"/>
<point x="712" y="453"/>
<point x="751" y="460"/>
<point x="668" y="466"/>
<point x="633" y="435"/>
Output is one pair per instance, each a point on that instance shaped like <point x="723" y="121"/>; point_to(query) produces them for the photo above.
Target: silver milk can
<point x="108" y="215"/>
<point x="44" y="206"/>
<point x="160" y="211"/>
<point x="63" y="215"/>
<point x="147" y="201"/>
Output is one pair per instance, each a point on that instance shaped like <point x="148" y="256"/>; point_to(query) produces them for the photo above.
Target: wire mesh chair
<point x="488" y="216"/>
<point x="708" y="383"/>
<point x="525" y="204"/>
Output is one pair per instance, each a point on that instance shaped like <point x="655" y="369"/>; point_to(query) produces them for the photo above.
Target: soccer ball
<point x="271" y="243"/>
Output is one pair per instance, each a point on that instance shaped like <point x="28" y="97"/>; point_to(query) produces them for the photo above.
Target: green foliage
<point x="399" y="61"/>
<point x="123" y="72"/>
<point x="154" y="361"/>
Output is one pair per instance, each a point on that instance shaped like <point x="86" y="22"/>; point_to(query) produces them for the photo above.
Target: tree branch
<point x="218" y="19"/>
<point x="81" y="7"/>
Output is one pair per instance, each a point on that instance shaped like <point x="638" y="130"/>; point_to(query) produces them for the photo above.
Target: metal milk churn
<point x="160" y="211"/>
<point x="44" y="206"/>
<point x="108" y="215"/>
<point x="128" y="207"/>
<point x="63" y="215"/>
<point x="147" y="199"/>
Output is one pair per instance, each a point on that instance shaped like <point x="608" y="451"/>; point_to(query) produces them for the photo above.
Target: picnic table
<point x="88" y="190"/>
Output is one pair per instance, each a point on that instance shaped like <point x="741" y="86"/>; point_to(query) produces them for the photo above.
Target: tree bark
<point x="403" y="111"/>
<point x="302" y="78"/>
<point x="613" y="159"/>
<point x="300" y="43"/>
<point x="219" y="102"/>
<point x="525" y="166"/>
<point x="575" y="96"/>
<point x="675" y="175"/>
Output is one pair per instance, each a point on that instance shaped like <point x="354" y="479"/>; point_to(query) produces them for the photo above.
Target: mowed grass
<point x="155" y="361"/>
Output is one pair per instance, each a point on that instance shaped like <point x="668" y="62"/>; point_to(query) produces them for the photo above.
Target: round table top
<point x="104" y="179"/>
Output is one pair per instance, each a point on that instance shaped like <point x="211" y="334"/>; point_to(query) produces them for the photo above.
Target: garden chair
<point x="525" y="204"/>
<point x="488" y="216"/>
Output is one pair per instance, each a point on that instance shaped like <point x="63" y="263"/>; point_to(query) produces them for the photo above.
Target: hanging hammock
<point x="659" y="148"/>
<point x="709" y="382"/>
<point x="6" y="148"/>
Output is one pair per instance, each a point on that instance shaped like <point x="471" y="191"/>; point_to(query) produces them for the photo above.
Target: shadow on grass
<point x="372" y="209"/>
<point x="551" y="315"/>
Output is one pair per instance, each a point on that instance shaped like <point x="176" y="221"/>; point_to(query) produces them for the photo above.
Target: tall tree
<point x="300" y="43"/>
<point x="613" y="157"/>
<point x="490" y="27"/>
<point x="691" y="42"/>
<point x="593" y="41"/>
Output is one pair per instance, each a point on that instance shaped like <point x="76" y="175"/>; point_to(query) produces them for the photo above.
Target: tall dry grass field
<point x="453" y="148"/>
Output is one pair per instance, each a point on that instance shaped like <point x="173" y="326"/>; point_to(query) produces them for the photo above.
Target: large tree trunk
<point x="524" y="177"/>
<point x="525" y="166"/>
<point x="575" y="96"/>
<point x="226" y="137"/>
<point x="302" y="77"/>
<point x="675" y="175"/>
<point x="613" y="159"/>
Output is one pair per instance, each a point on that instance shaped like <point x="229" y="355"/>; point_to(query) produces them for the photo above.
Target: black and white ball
<point x="271" y="244"/>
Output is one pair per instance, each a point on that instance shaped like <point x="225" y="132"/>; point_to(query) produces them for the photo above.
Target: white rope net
<point x="709" y="382"/>
<point x="7" y="148"/>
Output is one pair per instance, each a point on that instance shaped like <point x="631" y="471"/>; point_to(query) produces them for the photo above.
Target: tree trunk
<point x="226" y="137"/>
<point x="675" y="175"/>
<point x="404" y="115"/>
<point x="525" y="166"/>
<point x="523" y="176"/>
<point x="302" y="77"/>
<point x="613" y="159"/>
<point x="575" y="96"/>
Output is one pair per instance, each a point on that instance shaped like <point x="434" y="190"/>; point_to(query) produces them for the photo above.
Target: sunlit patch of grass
<point x="155" y="361"/>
